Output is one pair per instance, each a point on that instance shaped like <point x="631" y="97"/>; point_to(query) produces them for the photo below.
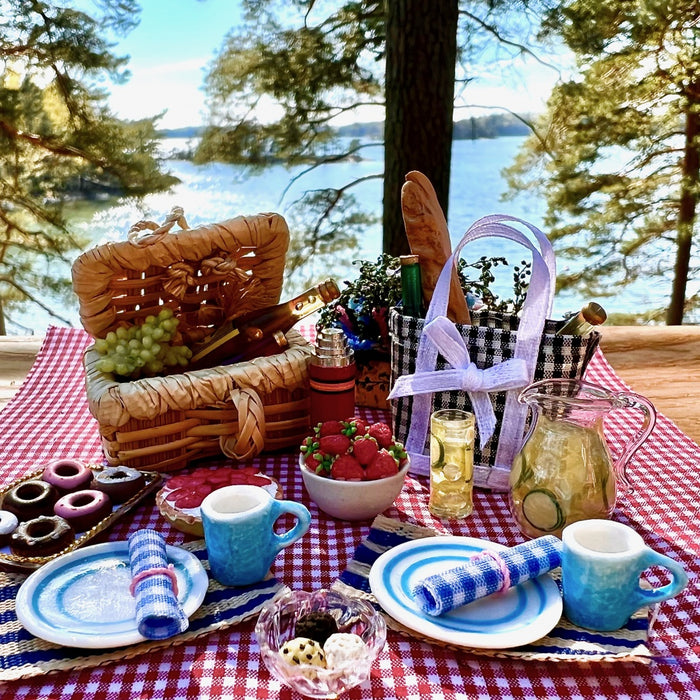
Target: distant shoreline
<point x="489" y="126"/>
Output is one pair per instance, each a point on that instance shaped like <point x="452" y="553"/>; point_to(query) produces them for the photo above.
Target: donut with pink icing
<point x="30" y="499"/>
<point x="83" y="509"/>
<point x="67" y="475"/>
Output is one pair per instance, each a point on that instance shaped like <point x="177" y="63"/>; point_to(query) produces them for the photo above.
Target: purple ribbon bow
<point x="464" y="375"/>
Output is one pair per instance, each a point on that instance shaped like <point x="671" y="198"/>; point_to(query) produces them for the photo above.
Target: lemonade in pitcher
<point x="564" y="471"/>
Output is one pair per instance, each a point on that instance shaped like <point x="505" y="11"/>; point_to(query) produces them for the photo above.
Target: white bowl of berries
<point x="353" y="470"/>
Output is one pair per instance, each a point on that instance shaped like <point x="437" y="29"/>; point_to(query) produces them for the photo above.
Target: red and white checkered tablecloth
<point x="49" y="418"/>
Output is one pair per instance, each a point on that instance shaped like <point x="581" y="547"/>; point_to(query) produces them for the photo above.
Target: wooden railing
<point x="660" y="362"/>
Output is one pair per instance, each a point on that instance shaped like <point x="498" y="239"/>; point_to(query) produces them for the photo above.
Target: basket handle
<point x="538" y="305"/>
<point x="250" y="437"/>
<point x="176" y="216"/>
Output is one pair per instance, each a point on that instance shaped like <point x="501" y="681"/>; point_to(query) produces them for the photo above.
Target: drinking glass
<point x="451" y="463"/>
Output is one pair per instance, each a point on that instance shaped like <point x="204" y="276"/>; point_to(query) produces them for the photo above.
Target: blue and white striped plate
<point x="519" y="616"/>
<point x="81" y="599"/>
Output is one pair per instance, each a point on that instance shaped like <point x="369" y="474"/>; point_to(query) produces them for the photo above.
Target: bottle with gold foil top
<point x="582" y="323"/>
<point x="260" y="332"/>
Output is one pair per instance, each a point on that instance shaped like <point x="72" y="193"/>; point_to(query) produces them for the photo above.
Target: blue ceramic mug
<point x="602" y="561"/>
<point x="240" y="535"/>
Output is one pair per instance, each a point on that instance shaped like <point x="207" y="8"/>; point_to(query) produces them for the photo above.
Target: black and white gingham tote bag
<point x="492" y="360"/>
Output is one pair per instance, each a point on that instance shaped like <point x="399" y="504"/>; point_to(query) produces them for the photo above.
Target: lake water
<point x="216" y="191"/>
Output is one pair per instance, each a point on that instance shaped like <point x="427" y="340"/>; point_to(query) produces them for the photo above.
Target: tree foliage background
<point x="316" y="61"/>
<point x="617" y="153"/>
<point x="57" y="137"/>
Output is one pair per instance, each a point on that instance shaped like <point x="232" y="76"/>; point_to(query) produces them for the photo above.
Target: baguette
<point x="429" y="239"/>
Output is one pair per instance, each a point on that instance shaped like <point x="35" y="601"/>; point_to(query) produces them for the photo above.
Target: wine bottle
<point x="582" y="323"/>
<point x="253" y="334"/>
<point x="411" y="287"/>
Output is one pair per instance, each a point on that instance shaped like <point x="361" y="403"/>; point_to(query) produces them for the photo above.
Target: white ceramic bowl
<point x="353" y="500"/>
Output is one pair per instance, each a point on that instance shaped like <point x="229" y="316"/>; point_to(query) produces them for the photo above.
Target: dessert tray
<point x="10" y="561"/>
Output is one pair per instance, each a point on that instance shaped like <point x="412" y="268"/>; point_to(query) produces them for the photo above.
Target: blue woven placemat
<point x="565" y="642"/>
<point x="23" y="655"/>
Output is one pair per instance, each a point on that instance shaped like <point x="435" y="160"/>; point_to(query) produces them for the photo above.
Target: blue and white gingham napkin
<point x="158" y="613"/>
<point x="487" y="573"/>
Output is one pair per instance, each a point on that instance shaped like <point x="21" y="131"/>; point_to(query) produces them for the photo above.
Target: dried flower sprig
<point x="363" y="306"/>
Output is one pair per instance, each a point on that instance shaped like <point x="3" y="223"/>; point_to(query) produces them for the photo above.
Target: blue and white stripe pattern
<point x="158" y="613"/>
<point x="484" y="574"/>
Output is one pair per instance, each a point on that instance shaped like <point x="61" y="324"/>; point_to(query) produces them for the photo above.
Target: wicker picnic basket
<point x="205" y="275"/>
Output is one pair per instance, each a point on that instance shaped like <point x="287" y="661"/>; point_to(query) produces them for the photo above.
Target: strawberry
<point x="334" y="444"/>
<point x="364" y="449"/>
<point x="179" y="481"/>
<point x="347" y="468"/>
<point x="329" y="427"/>
<point x="382" y="465"/>
<point x="323" y="462"/>
<point x="359" y="426"/>
<point x="381" y="432"/>
<point x="309" y="445"/>
<point x="399" y="452"/>
<point x="258" y="480"/>
<point x="220" y="477"/>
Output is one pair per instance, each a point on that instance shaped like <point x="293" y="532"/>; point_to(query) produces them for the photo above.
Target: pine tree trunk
<point x="421" y="50"/>
<point x="686" y="216"/>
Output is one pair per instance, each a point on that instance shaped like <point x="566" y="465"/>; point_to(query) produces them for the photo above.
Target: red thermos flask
<point x="332" y="378"/>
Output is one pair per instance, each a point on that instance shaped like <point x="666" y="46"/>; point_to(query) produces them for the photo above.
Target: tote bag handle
<point x="536" y="308"/>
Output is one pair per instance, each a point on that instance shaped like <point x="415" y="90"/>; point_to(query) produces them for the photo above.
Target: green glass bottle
<point x="411" y="286"/>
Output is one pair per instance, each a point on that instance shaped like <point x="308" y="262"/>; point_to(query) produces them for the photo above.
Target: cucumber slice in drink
<point x="440" y="461"/>
<point x="542" y="510"/>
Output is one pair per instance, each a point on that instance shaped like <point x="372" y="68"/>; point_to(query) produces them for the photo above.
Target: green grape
<point x="145" y="345"/>
<point x="105" y="365"/>
<point x="155" y="366"/>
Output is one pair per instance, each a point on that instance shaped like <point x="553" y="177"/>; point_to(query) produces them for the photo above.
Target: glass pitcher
<point x="564" y="471"/>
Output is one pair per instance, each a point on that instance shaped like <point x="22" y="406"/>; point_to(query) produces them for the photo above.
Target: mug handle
<point x="679" y="579"/>
<point x="300" y="512"/>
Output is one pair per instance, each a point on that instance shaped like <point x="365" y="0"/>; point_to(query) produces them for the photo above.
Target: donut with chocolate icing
<point x="8" y="524"/>
<point x="119" y="483"/>
<point x="67" y="475"/>
<point x="83" y="509"/>
<point x="30" y="499"/>
<point x="41" y="536"/>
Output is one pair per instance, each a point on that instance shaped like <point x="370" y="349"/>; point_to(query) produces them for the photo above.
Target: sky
<point x="177" y="39"/>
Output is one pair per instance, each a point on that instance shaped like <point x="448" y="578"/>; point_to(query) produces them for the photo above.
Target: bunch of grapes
<point x="142" y="349"/>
